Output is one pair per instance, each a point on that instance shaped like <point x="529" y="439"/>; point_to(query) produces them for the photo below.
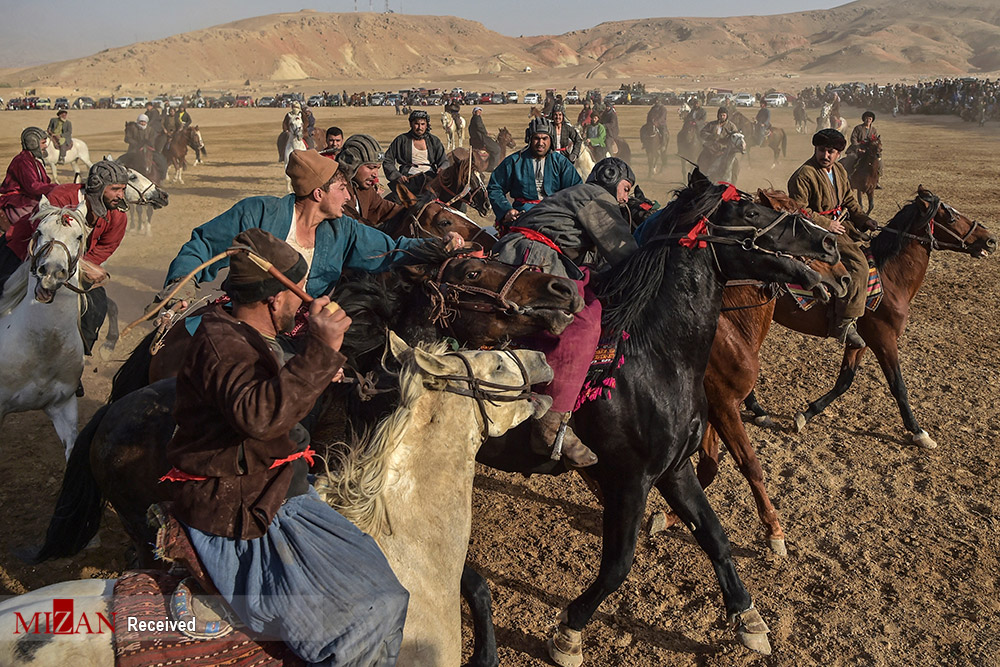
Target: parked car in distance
<point x="486" y="98"/>
<point x="139" y="102"/>
<point x="122" y="102"/>
<point x="531" y="98"/>
<point x="776" y="100"/>
<point x="244" y="101"/>
<point x="572" y="97"/>
<point x="745" y="100"/>
<point x="175" y="101"/>
<point x="83" y="103"/>
<point x="61" y="103"/>
<point x="266" y="101"/>
<point x="615" y="97"/>
<point x="43" y="103"/>
<point x="434" y="100"/>
<point x="511" y="96"/>
<point x="316" y="101"/>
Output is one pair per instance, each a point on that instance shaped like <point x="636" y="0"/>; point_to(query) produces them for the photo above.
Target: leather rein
<point x="41" y="253"/>
<point x="928" y="236"/>
<point x="447" y="298"/>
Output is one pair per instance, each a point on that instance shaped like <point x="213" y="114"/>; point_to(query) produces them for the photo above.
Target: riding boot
<point x="62" y="155"/>
<point x="846" y="333"/>
<point x="545" y="431"/>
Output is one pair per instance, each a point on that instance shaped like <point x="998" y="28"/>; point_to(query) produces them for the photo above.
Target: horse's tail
<point x="134" y="373"/>
<point x="77" y="515"/>
<point x="784" y="144"/>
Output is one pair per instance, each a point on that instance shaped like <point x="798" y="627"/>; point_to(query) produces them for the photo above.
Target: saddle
<point x="805" y="300"/>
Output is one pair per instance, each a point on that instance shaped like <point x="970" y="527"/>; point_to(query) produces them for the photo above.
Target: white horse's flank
<point x="409" y="484"/>
<point x="295" y="142"/>
<point x="455" y="135"/>
<point x="585" y="161"/>
<point x="40" y="343"/>
<point x="77" y="153"/>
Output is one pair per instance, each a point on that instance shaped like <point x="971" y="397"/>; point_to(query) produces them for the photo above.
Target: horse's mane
<point x="890" y="241"/>
<point x="15" y="289"/>
<point x="357" y="473"/>
<point x="628" y="290"/>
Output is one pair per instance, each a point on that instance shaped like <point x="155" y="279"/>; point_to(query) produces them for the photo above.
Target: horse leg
<point x="476" y="592"/>
<point x="64" y="419"/>
<point x="848" y="369"/>
<point x="680" y="488"/>
<point x="708" y="468"/>
<point x="871" y="201"/>
<point x="888" y="358"/>
<point x="112" y="338"/>
<point x="623" y="509"/>
<point x="760" y="415"/>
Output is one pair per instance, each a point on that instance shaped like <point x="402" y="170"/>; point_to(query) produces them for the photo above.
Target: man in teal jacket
<point x="310" y="220"/>
<point x="530" y="175"/>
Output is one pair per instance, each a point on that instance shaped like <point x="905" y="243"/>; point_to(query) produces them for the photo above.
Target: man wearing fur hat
<point x="360" y="158"/>
<point x="530" y="175"/>
<point x="822" y="186"/>
<point x="311" y="220"/>
<point x="556" y="235"/>
<point x="416" y="156"/>
<point x="288" y="564"/>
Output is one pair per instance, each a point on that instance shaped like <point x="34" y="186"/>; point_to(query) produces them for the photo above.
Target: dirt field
<point x="894" y="551"/>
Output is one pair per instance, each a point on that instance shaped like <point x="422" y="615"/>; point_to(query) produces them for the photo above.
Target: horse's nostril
<point x="991" y="243"/>
<point x="829" y="244"/>
<point x="42" y="271"/>
<point x="845" y="281"/>
<point x="562" y="288"/>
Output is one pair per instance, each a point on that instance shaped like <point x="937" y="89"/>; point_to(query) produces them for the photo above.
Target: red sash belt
<point x="533" y="235"/>
<point x="176" y="475"/>
<point x="522" y="200"/>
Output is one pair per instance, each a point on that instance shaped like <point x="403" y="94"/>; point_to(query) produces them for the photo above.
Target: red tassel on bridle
<point x="691" y="240"/>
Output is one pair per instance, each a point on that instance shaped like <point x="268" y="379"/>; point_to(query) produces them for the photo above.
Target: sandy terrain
<point x="894" y="552"/>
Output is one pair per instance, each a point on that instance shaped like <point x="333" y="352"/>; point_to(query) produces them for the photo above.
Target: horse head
<point x="501" y="378"/>
<point x="56" y="247"/>
<point x="951" y="230"/>
<point x="193" y="138"/>
<point x="429" y="217"/>
<point x="505" y="138"/>
<point x="752" y="241"/>
<point x="738" y="142"/>
<point x="481" y="301"/>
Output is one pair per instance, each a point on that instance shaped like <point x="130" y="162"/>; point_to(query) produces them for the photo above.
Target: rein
<point x="484" y="390"/>
<point x="418" y="231"/>
<point x="141" y="193"/>
<point x="42" y="253"/>
<point x="928" y="237"/>
<point x="773" y="288"/>
<point x="446" y="298"/>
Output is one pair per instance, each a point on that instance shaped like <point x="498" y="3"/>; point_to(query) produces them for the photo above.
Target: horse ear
<point x="406" y="197"/>
<point x="437" y="364"/>
<point x="698" y="180"/>
<point x="82" y="208"/>
<point x="43" y="204"/>
<point x="414" y="273"/>
<point x="397" y="346"/>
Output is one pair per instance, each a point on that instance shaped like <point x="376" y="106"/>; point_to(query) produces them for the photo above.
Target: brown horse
<point x="688" y="146"/>
<point x="655" y="142"/>
<point x="188" y="136"/>
<point x="506" y="141"/>
<point x="426" y="216"/>
<point x="902" y="253"/>
<point x="733" y="366"/>
<point x="864" y="172"/>
<point x="462" y="181"/>
<point x="776" y="140"/>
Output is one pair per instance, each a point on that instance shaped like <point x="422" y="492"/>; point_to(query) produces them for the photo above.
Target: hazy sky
<point x="89" y="26"/>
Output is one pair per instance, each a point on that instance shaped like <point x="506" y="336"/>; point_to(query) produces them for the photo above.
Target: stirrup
<point x="200" y="616"/>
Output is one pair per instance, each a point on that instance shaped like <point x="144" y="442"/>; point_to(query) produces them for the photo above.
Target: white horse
<point x="409" y="485"/>
<point x="40" y="344"/>
<point x="296" y="141"/>
<point x="455" y="135"/>
<point x="585" y="160"/>
<point x="823" y="120"/>
<point x="77" y="153"/>
<point x="143" y="198"/>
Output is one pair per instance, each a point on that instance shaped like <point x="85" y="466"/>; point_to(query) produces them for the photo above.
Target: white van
<point x="511" y="96"/>
<point x="531" y="98"/>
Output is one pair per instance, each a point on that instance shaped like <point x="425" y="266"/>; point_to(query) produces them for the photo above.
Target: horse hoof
<point x="777" y="546"/>
<point x="566" y="647"/>
<point x="800" y="422"/>
<point x="922" y="439"/>
<point x="751" y="630"/>
<point x="764" y="421"/>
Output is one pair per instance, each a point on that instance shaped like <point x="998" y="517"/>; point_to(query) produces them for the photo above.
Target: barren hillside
<point x="864" y="38"/>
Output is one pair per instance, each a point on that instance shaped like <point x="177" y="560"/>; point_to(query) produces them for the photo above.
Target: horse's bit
<point x="42" y="253"/>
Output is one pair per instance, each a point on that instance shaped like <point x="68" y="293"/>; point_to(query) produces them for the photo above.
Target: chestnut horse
<point x="777" y="140"/>
<point x="462" y="181"/>
<point x="427" y="216"/>
<point x="188" y="136"/>
<point x="902" y="251"/>
<point x="864" y="172"/>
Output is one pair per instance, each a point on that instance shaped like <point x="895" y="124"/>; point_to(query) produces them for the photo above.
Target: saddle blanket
<point x="144" y="596"/>
<point x="805" y="300"/>
<point x="601" y="375"/>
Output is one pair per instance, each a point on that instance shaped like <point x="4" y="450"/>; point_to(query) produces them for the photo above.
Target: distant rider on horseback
<point x="556" y="236"/>
<point x="762" y="123"/>
<point x="822" y="186"/>
<point x="715" y="137"/>
<point x="140" y="138"/>
<point x="481" y="140"/>
<point x="657" y="116"/>
<point x="416" y="156"/>
<point x="60" y="131"/>
<point x="530" y="175"/>
<point x="861" y="134"/>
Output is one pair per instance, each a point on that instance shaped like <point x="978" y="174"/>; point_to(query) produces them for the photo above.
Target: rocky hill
<point x="865" y="38"/>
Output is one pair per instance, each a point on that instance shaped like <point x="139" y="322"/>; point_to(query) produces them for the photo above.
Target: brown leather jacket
<point x="235" y="407"/>
<point x="374" y="210"/>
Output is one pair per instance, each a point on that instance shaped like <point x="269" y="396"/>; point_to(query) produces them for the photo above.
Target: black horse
<point x="668" y="298"/>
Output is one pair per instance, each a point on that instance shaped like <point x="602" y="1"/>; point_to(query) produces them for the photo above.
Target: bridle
<point x="467" y="193"/>
<point x="485" y="390"/>
<point x="418" y="231"/>
<point x="141" y="193"/>
<point x="39" y="254"/>
<point x="447" y="298"/>
<point x="934" y="205"/>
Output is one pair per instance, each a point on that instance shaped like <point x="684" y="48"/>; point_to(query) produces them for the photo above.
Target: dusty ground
<point x="893" y="551"/>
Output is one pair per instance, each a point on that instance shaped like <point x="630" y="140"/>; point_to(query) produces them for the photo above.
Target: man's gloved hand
<point x="187" y="294"/>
